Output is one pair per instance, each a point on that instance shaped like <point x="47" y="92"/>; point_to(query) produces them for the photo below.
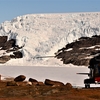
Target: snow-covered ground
<point x="44" y="34"/>
<point x="63" y="74"/>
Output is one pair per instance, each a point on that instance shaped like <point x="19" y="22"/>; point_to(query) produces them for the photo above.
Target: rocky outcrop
<point x="69" y="86"/>
<point x="53" y="83"/>
<point x="9" y="46"/>
<point x="33" y="81"/>
<point x="80" y="51"/>
<point x="20" y="78"/>
<point x="17" y="54"/>
<point x="3" y="40"/>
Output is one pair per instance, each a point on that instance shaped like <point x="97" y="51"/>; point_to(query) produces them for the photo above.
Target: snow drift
<point x="44" y="34"/>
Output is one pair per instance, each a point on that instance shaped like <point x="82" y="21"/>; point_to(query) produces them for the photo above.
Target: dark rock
<point x="18" y="54"/>
<point x="9" y="44"/>
<point x="69" y="86"/>
<point x="3" y="40"/>
<point x="52" y="83"/>
<point x="20" y="78"/>
<point x="80" y="52"/>
<point x="12" y="56"/>
<point x="33" y="81"/>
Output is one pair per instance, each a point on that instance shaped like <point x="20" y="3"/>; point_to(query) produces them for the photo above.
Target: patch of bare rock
<point x="9" y="46"/>
<point x="20" y="89"/>
<point x="80" y="51"/>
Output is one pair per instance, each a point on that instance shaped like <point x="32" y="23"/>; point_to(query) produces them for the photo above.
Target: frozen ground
<point x="63" y="74"/>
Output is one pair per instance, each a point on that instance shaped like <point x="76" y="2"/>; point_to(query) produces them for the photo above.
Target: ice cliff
<point x="44" y="34"/>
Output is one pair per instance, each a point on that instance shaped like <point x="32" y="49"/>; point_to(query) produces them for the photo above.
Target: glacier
<point x="44" y="34"/>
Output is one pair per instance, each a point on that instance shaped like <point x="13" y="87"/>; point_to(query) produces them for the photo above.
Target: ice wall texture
<point x="44" y="34"/>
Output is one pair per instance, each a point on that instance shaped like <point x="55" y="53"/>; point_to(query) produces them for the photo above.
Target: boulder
<point x="18" y="54"/>
<point x="9" y="44"/>
<point x="33" y="81"/>
<point x="3" y="40"/>
<point x="69" y="86"/>
<point x="53" y="83"/>
<point x="20" y="78"/>
<point x="78" y="53"/>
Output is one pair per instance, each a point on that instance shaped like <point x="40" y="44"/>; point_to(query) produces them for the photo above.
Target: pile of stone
<point x="20" y="81"/>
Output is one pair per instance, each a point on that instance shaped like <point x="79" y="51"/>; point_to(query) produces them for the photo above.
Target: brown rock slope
<point x="45" y="92"/>
<point x="49" y="90"/>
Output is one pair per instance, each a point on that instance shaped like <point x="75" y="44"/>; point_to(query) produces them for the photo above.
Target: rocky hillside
<point x="9" y="50"/>
<point x="80" y="51"/>
<point x="46" y="92"/>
